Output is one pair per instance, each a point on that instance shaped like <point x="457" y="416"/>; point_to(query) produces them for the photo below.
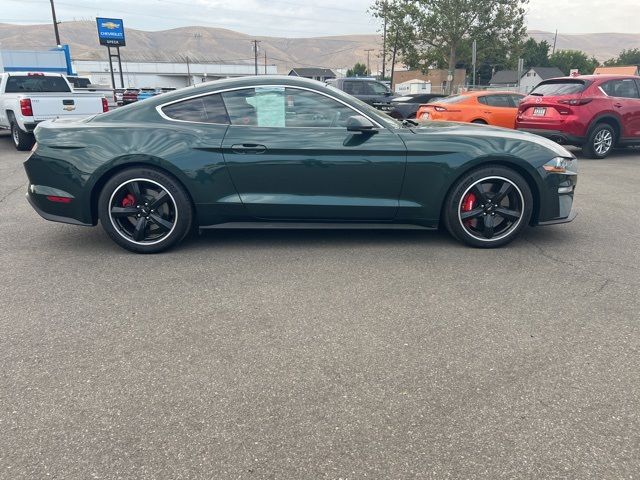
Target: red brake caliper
<point x="129" y="200"/>
<point x="467" y="204"/>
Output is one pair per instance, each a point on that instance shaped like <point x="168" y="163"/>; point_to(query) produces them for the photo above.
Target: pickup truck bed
<point x="27" y="99"/>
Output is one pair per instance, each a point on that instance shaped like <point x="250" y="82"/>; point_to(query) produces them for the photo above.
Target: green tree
<point x="358" y="70"/>
<point x="535" y="54"/>
<point x="439" y="32"/>
<point x="626" y="58"/>
<point x="566" y="60"/>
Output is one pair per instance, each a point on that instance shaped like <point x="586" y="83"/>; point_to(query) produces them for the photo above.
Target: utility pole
<point x="188" y="73"/>
<point x="55" y="23"/>
<point x="368" y="50"/>
<point x="255" y="54"/>
<point x="265" y="61"/>
<point x="384" y="40"/>
<point x="555" y="39"/>
<point x="474" y="58"/>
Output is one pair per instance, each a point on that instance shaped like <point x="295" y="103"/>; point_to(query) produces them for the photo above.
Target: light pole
<point x="55" y="23"/>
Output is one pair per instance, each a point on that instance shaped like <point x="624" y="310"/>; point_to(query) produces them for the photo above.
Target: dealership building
<point x="163" y="74"/>
<point x="152" y="74"/>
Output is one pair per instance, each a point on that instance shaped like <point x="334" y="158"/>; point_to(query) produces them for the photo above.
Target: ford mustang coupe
<point x="285" y="152"/>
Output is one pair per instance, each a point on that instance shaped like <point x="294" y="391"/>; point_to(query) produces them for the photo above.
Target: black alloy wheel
<point x="145" y="210"/>
<point x="489" y="207"/>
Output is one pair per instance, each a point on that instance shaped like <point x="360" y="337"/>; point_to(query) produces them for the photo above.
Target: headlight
<point x="561" y="165"/>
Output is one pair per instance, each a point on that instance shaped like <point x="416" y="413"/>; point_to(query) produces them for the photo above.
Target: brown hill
<point x="199" y="44"/>
<point x="227" y="46"/>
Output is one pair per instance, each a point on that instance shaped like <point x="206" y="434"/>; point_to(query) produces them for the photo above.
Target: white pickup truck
<point x="27" y="99"/>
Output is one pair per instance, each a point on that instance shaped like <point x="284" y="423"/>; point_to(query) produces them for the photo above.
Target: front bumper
<point x="556" y="197"/>
<point x="572" y="215"/>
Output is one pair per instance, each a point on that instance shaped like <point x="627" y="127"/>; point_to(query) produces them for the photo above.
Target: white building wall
<point x="161" y="74"/>
<point x="529" y="81"/>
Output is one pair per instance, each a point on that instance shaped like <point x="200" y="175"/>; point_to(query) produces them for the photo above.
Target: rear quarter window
<point x="208" y="109"/>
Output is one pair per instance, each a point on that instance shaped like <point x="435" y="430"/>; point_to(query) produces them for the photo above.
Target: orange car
<point x="487" y="107"/>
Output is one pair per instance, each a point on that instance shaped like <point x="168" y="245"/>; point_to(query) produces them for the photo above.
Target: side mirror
<point x="358" y="123"/>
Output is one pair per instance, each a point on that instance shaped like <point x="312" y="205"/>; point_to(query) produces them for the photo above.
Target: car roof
<point x="35" y="73"/>
<point x="479" y="93"/>
<point x="596" y="77"/>
<point x="360" y="79"/>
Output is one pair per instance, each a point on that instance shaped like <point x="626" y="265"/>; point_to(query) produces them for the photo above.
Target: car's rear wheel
<point x="479" y="122"/>
<point x="22" y="140"/>
<point x="145" y="210"/>
<point x="600" y="142"/>
<point x="488" y="207"/>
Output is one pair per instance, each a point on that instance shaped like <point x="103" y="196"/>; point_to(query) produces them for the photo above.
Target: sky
<point x="305" y="18"/>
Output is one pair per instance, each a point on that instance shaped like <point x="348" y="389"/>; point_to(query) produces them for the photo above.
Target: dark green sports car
<point x="285" y="152"/>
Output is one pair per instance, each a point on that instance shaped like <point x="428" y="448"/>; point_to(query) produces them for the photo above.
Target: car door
<point x="291" y="157"/>
<point x="626" y="102"/>
<point x="502" y="110"/>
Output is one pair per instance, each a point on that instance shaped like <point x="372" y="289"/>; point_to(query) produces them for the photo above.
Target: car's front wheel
<point x="145" y="210"/>
<point x="488" y="207"/>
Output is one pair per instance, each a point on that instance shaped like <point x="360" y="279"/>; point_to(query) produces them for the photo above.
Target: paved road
<point x="323" y="355"/>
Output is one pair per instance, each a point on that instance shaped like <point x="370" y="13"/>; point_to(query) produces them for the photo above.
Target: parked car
<point x="368" y="90"/>
<point x="595" y="112"/>
<point x="130" y="95"/>
<point x="28" y="98"/>
<point x="487" y="107"/>
<point x="118" y="95"/>
<point x="406" y="106"/>
<point x="239" y="153"/>
<point x="146" y="93"/>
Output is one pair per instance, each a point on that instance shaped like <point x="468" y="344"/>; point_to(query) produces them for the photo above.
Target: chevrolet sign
<point x="111" y="32"/>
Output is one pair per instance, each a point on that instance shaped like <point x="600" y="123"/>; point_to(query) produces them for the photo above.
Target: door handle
<point x="248" y="148"/>
<point x="617" y="105"/>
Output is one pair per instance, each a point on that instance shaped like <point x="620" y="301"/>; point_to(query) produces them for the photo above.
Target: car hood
<point x="486" y="131"/>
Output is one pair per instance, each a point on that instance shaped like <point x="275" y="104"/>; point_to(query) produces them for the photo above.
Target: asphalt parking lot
<point x="323" y="354"/>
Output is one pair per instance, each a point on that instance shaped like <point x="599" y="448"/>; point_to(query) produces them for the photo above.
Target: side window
<point x="260" y="106"/>
<point x="355" y="88"/>
<point x="498" y="101"/>
<point x="482" y="100"/>
<point x="209" y="109"/>
<point x="279" y="107"/>
<point x="625" y="88"/>
<point x="375" y="88"/>
<point x="517" y="99"/>
<point x="310" y="109"/>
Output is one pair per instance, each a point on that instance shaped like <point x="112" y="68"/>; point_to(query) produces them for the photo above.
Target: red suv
<point x="595" y="112"/>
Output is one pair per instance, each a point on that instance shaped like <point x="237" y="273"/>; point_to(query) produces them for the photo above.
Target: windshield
<point x="366" y="108"/>
<point x="36" y="83"/>
<point x="559" y="87"/>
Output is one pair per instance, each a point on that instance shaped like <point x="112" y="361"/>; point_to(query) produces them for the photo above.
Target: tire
<point x="480" y="122"/>
<point x="470" y="213"/>
<point x="126" y="210"/>
<point x="22" y="140"/>
<point x="601" y="141"/>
